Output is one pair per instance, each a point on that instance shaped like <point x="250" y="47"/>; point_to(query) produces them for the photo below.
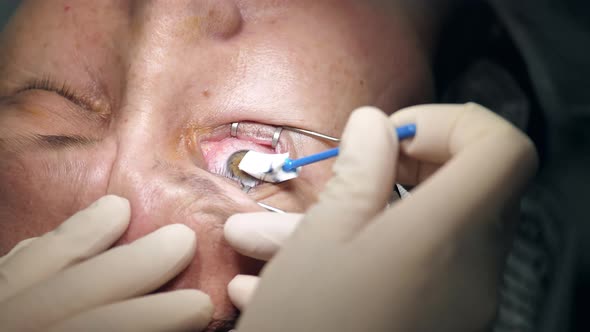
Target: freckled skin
<point x="148" y="69"/>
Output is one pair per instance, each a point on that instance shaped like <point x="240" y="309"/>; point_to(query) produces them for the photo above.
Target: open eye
<point x="233" y="171"/>
<point x="224" y="148"/>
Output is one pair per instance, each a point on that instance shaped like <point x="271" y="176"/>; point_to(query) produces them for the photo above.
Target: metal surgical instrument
<point x="270" y="208"/>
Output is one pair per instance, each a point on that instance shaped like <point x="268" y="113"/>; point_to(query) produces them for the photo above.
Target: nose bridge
<point x="158" y="96"/>
<point x="152" y="175"/>
<point x="136" y="156"/>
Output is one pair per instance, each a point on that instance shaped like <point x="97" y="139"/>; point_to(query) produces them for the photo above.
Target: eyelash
<point x="48" y="84"/>
<point x="244" y="182"/>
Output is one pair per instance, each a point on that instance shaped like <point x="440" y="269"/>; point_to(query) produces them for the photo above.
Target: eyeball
<point x="234" y="172"/>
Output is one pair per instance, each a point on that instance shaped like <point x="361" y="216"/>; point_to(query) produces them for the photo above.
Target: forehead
<point x="85" y="26"/>
<point x="60" y="14"/>
<point x="335" y="39"/>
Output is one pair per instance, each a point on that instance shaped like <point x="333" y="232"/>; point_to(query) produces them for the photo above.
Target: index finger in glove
<point x="19" y="246"/>
<point x="83" y="235"/>
<point x="259" y="234"/>
<point x="443" y="130"/>
<point x="362" y="182"/>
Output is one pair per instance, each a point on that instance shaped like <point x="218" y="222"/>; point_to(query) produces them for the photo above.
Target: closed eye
<point x="63" y="89"/>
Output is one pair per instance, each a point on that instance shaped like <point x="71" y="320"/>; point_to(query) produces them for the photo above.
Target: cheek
<point x="39" y="191"/>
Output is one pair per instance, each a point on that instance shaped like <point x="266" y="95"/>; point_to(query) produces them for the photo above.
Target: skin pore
<point x="118" y="97"/>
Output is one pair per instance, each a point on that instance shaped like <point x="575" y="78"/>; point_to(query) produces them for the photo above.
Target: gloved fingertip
<point x="110" y="211"/>
<point x="362" y="121"/>
<point x="361" y="115"/>
<point x="415" y="114"/>
<point x="200" y="300"/>
<point x="179" y="232"/>
<point x="365" y="111"/>
<point x="235" y="227"/>
<point x="367" y="155"/>
<point x="105" y="219"/>
<point x="241" y="232"/>
<point x="239" y="218"/>
<point x="175" y="240"/>
<point x="367" y="108"/>
<point x="111" y="201"/>
<point x="240" y="226"/>
<point x="260" y="235"/>
<point x="241" y="288"/>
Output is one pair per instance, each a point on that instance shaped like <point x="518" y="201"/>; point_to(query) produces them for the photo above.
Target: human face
<point x="147" y="82"/>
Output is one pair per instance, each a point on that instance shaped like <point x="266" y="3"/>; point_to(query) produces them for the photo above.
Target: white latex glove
<point x="431" y="262"/>
<point x="66" y="281"/>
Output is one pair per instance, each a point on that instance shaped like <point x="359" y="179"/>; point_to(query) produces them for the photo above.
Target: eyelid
<point x="253" y="132"/>
<point x="63" y="89"/>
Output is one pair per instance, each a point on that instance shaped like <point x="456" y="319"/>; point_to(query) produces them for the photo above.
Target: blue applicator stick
<point x="403" y="132"/>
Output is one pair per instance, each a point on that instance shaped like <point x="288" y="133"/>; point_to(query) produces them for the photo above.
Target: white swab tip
<point x="266" y="167"/>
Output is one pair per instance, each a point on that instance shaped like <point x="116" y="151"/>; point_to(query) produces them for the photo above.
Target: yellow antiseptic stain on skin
<point x="186" y="142"/>
<point x="190" y="27"/>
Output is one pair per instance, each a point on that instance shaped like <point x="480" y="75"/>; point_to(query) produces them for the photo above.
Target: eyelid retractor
<point x="279" y="167"/>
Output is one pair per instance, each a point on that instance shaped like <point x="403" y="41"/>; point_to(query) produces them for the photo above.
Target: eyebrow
<point x="27" y="143"/>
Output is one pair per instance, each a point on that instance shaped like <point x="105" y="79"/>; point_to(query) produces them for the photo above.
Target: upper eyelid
<point x="265" y="132"/>
<point x="66" y="90"/>
<point x="63" y="90"/>
<point x="255" y="132"/>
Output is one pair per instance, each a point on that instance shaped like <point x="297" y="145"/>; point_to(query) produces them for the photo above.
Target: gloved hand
<point x="430" y="262"/>
<point x="66" y="281"/>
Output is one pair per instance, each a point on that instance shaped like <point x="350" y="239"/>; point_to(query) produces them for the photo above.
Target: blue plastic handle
<point x="290" y="165"/>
